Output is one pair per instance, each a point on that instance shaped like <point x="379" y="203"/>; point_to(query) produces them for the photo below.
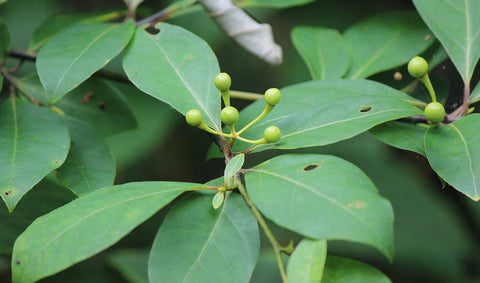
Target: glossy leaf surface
<point x="73" y="55"/>
<point x="323" y="112"/>
<point x="34" y="142"/>
<point x="459" y="34"/>
<point x="196" y="243"/>
<point x="386" y="41"/>
<point x="325" y="51"/>
<point x="322" y="197"/>
<point x="402" y="135"/>
<point x="90" y="164"/>
<point x="453" y="152"/>
<point x="57" y="23"/>
<point x="86" y="226"/>
<point x="307" y="261"/>
<point x="177" y="67"/>
<point x="339" y="269"/>
<point x="99" y="103"/>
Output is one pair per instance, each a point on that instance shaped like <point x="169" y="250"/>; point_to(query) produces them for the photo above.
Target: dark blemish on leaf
<point x="365" y="108"/>
<point x="7" y="193"/>
<point x="86" y="97"/>
<point x="427" y="37"/>
<point x="101" y="105"/>
<point x="16" y="261"/>
<point x="311" y="167"/>
<point x="189" y="57"/>
<point x="152" y="30"/>
<point x="359" y="204"/>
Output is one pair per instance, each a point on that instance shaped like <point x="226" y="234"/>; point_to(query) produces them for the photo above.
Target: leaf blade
<point x="177" y="67"/>
<point x="225" y="248"/>
<point x="75" y="54"/>
<point x="307" y="261"/>
<point x="459" y="35"/>
<point x="324" y="51"/>
<point x="322" y="197"/>
<point x="453" y="154"/>
<point x="35" y="142"/>
<point x="84" y="227"/>
<point x="385" y="41"/>
<point x="339" y="269"/>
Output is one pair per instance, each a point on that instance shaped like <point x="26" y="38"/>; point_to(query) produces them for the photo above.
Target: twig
<point x="16" y="53"/>
<point x="245" y="95"/>
<point x="277" y="248"/>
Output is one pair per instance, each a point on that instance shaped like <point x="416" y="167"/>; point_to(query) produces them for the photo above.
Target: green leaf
<point x="3" y="1"/>
<point x="73" y="55"/>
<point x="87" y="226"/>
<point x="218" y="199"/>
<point x="97" y="102"/>
<point x="458" y="34"/>
<point x="57" y="23"/>
<point x="322" y="197"/>
<point x="386" y="41"/>
<point x="177" y="67"/>
<point x="475" y="95"/>
<point x="271" y="3"/>
<point x="205" y="245"/>
<point x="90" y="164"/>
<point x="453" y="152"/>
<point x="132" y="264"/>
<point x="325" y="51"/>
<point x="43" y="198"/>
<point x="1" y="82"/>
<point x="402" y="135"/>
<point x="322" y="112"/>
<point x="234" y="165"/>
<point x="5" y="41"/>
<point x="307" y="261"/>
<point x="338" y="269"/>
<point x="34" y="142"/>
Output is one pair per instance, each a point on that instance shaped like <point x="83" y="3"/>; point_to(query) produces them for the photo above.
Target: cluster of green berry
<point x="418" y="68"/>
<point x="229" y="114"/>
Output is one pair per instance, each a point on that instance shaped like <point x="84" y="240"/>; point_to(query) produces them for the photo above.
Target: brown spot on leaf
<point x="16" y="261"/>
<point x="7" y="193"/>
<point x="189" y="57"/>
<point x="427" y="37"/>
<point x="349" y="205"/>
<point x="86" y="97"/>
<point x="359" y="204"/>
<point x="101" y="105"/>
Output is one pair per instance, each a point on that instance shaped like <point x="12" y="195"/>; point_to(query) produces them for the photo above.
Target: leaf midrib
<point x="470" y="163"/>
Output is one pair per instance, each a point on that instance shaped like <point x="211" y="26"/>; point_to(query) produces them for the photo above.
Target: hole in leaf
<point x="16" y="261"/>
<point x="152" y="30"/>
<point x="7" y="193"/>
<point x="365" y="108"/>
<point x="310" y="167"/>
<point x="101" y="105"/>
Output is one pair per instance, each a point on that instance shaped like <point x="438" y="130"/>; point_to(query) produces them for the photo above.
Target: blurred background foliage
<point x="436" y="229"/>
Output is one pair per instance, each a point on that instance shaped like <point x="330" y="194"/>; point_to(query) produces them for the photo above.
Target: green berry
<point x="194" y="117"/>
<point x="272" y="96"/>
<point x="223" y="82"/>
<point x="229" y="115"/>
<point x="434" y="112"/>
<point x="417" y="67"/>
<point x="272" y="134"/>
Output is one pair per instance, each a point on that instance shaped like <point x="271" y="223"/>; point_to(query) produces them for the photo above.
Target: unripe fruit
<point x="272" y="134"/>
<point x="194" y="117"/>
<point x="434" y="112"/>
<point x="417" y="67"/>
<point x="272" y="96"/>
<point x="229" y="115"/>
<point x="223" y="82"/>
